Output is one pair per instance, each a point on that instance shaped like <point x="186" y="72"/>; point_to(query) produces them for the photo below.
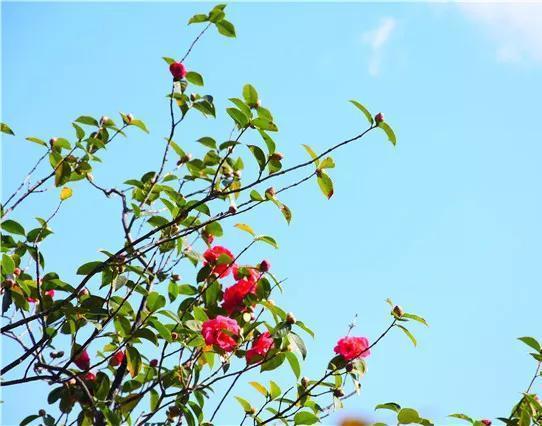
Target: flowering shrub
<point x="95" y="341"/>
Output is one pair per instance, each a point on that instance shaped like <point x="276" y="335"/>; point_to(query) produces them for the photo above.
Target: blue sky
<point x="447" y="223"/>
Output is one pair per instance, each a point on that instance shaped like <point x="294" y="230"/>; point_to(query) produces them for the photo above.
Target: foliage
<point x="90" y="340"/>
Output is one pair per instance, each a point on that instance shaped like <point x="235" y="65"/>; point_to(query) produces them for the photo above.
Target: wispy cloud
<point x="376" y="39"/>
<point x="515" y="27"/>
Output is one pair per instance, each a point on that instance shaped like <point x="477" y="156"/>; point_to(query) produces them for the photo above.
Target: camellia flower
<point x="177" y="70"/>
<point x="211" y="257"/>
<point x="260" y="346"/>
<point x="247" y="273"/>
<point x="486" y="422"/>
<point x="50" y="293"/>
<point x="82" y="360"/>
<point x="352" y="347"/>
<point x="222" y="332"/>
<point x="116" y="359"/>
<point x="235" y="295"/>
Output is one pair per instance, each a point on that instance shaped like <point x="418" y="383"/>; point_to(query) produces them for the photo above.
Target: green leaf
<point x="8" y="265"/>
<point x="312" y="154"/>
<point x="254" y="195"/>
<point x="364" y="110"/>
<point x="298" y="343"/>
<point x="139" y="124"/>
<point x="194" y="78"/>
<point x="250" y="94"/>
<point x="388" y="406"/>
<point x="155" y="301"/>
<point x="415" y="318"/>
<point x="134" y="361"/>
<point x="4" y="128"/>
<point x="267" y="239"/>
<point x="305" y="418"/>
<point x="265" y="124"/>
<point x="226" y="28"/>
<point x="87" y="268"/>
<point x="238" y="116"/>
<point x="408" y="333"/>
<point x="208" y="142"/>
<point x="196" y="19"/>
<point x="407" y="416"/>
<point x="168" y="60"/>
<point x="389" y="132"/>
<point x="325" y="183"/>
<point x="85" y="119"/>
<point x="13" y="227"/>
<point x="462" y="417"/>
<point x="246" y="228"/>
<point x="274" y="362"/>
<point x="294" y="364"/>
<point x="530" y="341"/>
<point x="259" y="155"/>
<point x="327" y="163"/>
<point x="36" y="140"/>
<point x="274" y="389"/>
<point x="244" y="403"/>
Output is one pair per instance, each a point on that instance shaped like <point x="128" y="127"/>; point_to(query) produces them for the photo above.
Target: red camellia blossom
<point x="116" y="359"/>
<point x="247" y="273"/>
<point x="82" y="360"/>
<point x="486" y="422"/>
<point x="260" y="347"/>
<point x="177" y="70"/>
<point x="90" y="376"/>
<point x="235" y="295"/>
<point x="352" y="347"/>
<point x="211" y="257"/>
<point x="222" y="332"/>
<point x="50" y="293"/>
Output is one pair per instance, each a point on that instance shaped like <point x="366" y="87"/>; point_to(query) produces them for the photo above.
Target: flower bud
<point x="153" y="363"/>
<point x="129" y="118"/>
<point x="264" y="266"/>
<point x="57" y="354"/>
<point x="175" y="277"/>
<point x="305" y="381"/>
<point x="277" y="156"/>
<point x="177" y="70"/>
<point x="104" y="120"/>
<point x="379" y="118"/>
<point x="84" y="292"/>
<point x="486" y="422"/>
<point x="90" y="376"/>
<point x="193" y="97"/>
<point x="174" y="336"/>
<point x="290" y="319"/>
<point x="174" y="411"/>
<point x="17" y="272"/>
<point x="251" y="411"/>
<point x="339" y="392"/>
<point x="232" y="209"/>
<point x="349" y="367"/>
<point x="71" y="382"/>
<point x="270" y="192"/>
<point x="398" y="311"/>
<point x="42" y="413"/>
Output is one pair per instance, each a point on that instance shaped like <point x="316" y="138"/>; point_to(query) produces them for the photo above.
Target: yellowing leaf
<point x="65" y="193"/>
<point x="246" y="228"/>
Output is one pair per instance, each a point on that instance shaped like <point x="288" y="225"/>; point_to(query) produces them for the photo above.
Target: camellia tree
<point x="117" y="349"/>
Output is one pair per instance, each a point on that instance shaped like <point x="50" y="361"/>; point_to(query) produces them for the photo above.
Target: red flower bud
<point x="116" y="359"/>
<point x="17" y="272"/>
<point x="82" y="360"/>
<point x="153" y="363"/>
<point x="290" y="319"/>
<point x="265" y="266"/>
<point x="486" y="422"/>
<point x="42" y="413"/>
<point x="178" y="71"/>
<point x="379" y="118"/>
<point x="90" y="376"/>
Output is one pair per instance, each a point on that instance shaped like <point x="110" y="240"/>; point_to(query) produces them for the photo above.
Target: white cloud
<point x="376" y="39"/>
<point x="515" y="27"/>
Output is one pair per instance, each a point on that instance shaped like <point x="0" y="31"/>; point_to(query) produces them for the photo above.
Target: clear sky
<point x="447" y="223"/>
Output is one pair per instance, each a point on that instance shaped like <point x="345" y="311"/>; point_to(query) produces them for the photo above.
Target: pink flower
<point x="352" y="347"/>
<point x="260" y="346"/>
<point x="177" y="70"/>
<point x="82" y="360"/>
<point x="50" y="293"/>
<point x="116" y="359"/>
<point x="211" y="257"/>
<point x="222" y="332"/>
<point x="245" y="272"/>
<point x="235" y="295"/>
